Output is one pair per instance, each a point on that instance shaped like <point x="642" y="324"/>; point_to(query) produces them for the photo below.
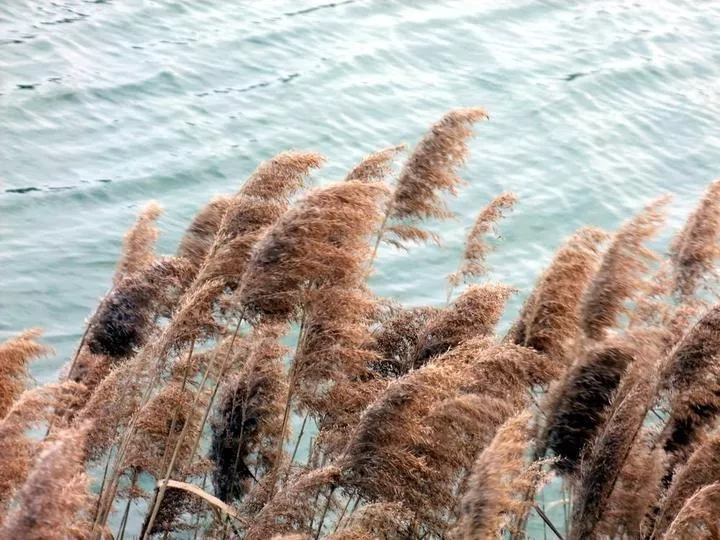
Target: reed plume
<point x="15" y="355"/>
<point x="636" y="491"/>
<point x="248" y="424"/>
<point x="429" y="172"/>
<point x="498" y="475"/>
<point x="292" y="509"/>
<point x="690" y="376"/>
<point x="17" y="449"/>
<point x="620" y="277"/>
<point x="397" y="338"/>
<point x="139" y="243"/>
<point x="55" y="495"/>
<point x="702" y="469"/>
<point x="393" y="454"/>
<point x="376" y="520"/>
<point x="157" y="434"/>
<point x="698" y="518"/>
<point x="321" y="240"/>
<point x="473" y="314"/>
<point x="476" y="246"/>
<point x="549" y="319"/>
<point x="695" y="249"/>
<point x="607" y="454"/>
<point x="125" y="317"/>
<point x="576" y="407"/>
<point x="200" y="235"/>
<point x="375" y="167"/>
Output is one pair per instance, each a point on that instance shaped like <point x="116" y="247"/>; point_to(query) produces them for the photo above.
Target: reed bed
<point x="174" y="419"/>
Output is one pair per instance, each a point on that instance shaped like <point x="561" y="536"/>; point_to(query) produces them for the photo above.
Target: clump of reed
<point x="252" y="385"/>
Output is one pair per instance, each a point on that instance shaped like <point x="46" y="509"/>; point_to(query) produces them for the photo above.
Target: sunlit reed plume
<point x="473" y="314"/>
<point x="292" y="509"/>
<point x="636" y="490"/>
<point x="476" y="245"/>
<point x="139" y="243"/>
<point x="375" y="167"/>
<point x="696" y="248"/>
<point x="499" y="474"/>
<point x="548" y="321"/>
<point x="17" y="448"/>
<point x="624" y="266"/>
<point x="428" y="174"/>
<point x="15" y="355"/>
<point x="318" y="241"/>
<point x="55" y="495"/>
<point x="698" y="518"/>
<point x="376" y="520"/>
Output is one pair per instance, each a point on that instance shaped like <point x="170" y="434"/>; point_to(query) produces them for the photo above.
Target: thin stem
<point x="104" y="478"/>
<point x="342" y="514"/>
<point x="322" y="518"/>
<point x="197" y="517"/>
<point x="381" y="232"/>
<point x="297" y="443"/>
<point x="286" y="413"/>
<point x="547" y="521"/>
<point x="123" y="523"/>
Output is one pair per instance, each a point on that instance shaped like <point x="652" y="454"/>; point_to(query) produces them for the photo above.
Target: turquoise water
<point x="596" y="107"/>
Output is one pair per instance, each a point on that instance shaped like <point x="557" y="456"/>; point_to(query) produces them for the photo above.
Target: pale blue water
<point x="596" y="107"/>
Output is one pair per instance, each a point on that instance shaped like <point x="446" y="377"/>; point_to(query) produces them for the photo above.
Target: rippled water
<point x="596" y="107"/>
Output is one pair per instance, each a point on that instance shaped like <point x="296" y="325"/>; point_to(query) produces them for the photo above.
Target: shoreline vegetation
<point x="414" y="422"/>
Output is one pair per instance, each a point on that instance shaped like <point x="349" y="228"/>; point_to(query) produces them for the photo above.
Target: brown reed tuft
<point x="427" y="174"/>
<point x="576" y="407"/>
<point x="690" y="376"/>
<point x="292" y="509"/>
<point x="332" y="370"/>
<point x="608" y="453"/>
<point x="476" y="246"/>
<point x="249" y="420"/>
<point x="397" y="338"/>
<point x="18" y="449"/>
<point x="157" y="434"/>
<point x="548" y="321"/>
<point x="200" y="235"/>
<point x="15" y="354"/>
<point x="321" y="240"/>
<point x="499" y="474"/>
<point x="701" y="469"/>
<point x="620" y="277"/>
<point x="394" y="456"/>
<point x="430" y="169"/>
<point x="698" y="518"/>
<point x="125" y="317"/>
<point x="375" y="167"/>
<point x="473" y="314"/>
<point x="636" y="491"/>
<point x="376" y="520"/>
<point x="55" y="495"/>
<point x="696" y="248"/>
<point x="139" y="243"/>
